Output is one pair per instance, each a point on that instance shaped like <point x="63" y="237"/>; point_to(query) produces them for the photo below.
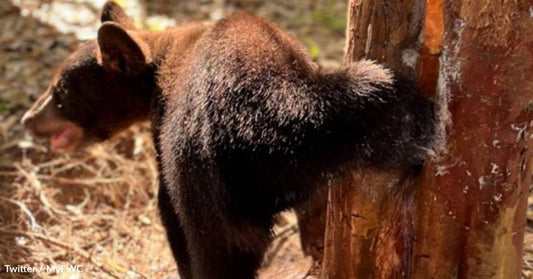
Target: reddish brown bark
<point x="432" y="46"/>
<point x="368" y="226"/>
<point x="386" y="31"/>
<point x="471" y="202"/>
<point x="354" y="225"/>
<point x="464" y="216"/>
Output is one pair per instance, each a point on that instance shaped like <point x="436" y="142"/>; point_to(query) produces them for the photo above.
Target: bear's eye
<point x="57" y="96"/>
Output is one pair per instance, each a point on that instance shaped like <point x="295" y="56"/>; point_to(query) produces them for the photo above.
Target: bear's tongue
<point x="63" y="138"/>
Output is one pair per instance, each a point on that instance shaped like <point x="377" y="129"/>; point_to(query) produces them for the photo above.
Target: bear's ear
<point x="112" y="12"/>
<point x="122" y="51"/>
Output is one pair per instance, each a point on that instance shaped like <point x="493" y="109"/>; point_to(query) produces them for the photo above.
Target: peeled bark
<point x="368" y="222"/>
<point x="464" y="215"/>
<point x="472" y="200"/>
<point x="386" y="31"/>
<point x="355" y="225"/>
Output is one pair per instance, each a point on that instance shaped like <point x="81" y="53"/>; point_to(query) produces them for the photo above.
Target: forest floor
<point x="98" y="208"/>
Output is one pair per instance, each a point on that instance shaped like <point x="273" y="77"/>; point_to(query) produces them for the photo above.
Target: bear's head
<point x="101" y="89"/>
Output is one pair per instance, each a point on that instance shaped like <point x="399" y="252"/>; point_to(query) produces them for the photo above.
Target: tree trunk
<point x="386" y="31"/>
<point x="464" y="215"/>
<point x="472" y="200"/>
<point x="368" y="227"/>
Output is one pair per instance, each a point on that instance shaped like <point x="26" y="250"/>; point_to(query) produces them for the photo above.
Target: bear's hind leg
<point x="312" y="223"/>
<point x="219" y="253"/>
<point x="175" y="234"/>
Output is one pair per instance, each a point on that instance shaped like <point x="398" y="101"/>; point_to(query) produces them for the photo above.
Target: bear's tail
<point x="376" y="116"/>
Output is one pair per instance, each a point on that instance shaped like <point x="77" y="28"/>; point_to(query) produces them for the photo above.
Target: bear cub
<point x="245" y="126"/>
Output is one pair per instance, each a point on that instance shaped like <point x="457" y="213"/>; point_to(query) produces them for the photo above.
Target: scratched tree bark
<point x="369" y="226"/>
<point x="471" y="202"/>
<point x="386" y="31"/>
<point x="464" y="215"/>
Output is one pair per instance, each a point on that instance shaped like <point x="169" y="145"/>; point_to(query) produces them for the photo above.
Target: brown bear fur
<point x="245" y="125"/>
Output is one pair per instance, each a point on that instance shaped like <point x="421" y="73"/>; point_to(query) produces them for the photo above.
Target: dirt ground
<point x="98" y="208"/>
